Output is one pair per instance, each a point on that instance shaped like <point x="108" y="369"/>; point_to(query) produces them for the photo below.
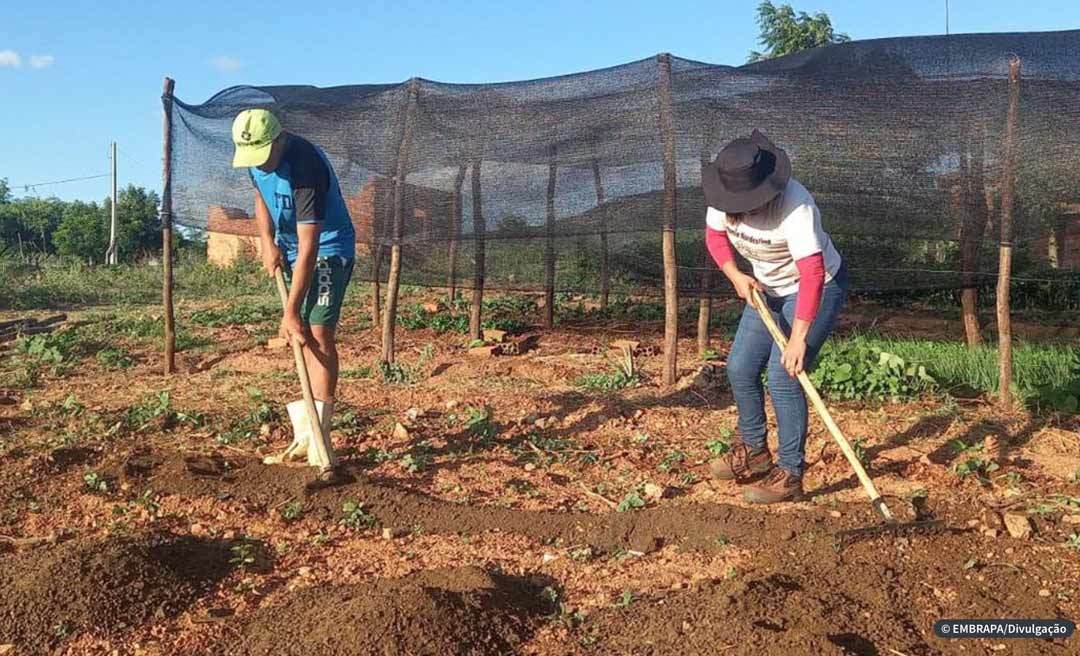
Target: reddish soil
<point x="505" y="541"/>
<point x="464" y="611"/>
<point x="106" y="586"/>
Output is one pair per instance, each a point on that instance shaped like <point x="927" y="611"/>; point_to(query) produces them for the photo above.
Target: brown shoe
<point x="740" y="462"/>
<point x="778" y="486"/>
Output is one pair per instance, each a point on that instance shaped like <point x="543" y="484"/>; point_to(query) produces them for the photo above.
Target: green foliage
<point x="95" y="482"/>
<point x="292" y="510"/>
<point x="1073" y="542"/>
<point x="623" y="376"/>
<point x="83" y="232"/>
<point x="784" y="32"/>
<point x="401" y="373"/>
<point x="418" y="457"/>
<point x="973" y="462"/>
<point x="236" y="314"/>
<point x="858" y="369"/>
<point x="36" y="353"/>
<point x="243" y="554"/>
<point x="671" y="461"/>
<point x="249" y="425"/>
<point x="114" y="358"/>
<point x="355" y="517"/>
<point x="632" y="500"/>
<point x="1064" y="398"/>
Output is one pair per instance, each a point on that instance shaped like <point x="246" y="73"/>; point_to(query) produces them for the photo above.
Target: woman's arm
<point x="719" y="246"/>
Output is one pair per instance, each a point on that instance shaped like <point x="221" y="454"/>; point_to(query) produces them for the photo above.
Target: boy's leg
<point x="321" y="312"/>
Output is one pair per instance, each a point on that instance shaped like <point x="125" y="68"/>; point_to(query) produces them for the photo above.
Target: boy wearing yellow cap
<point x="306" y="231"/>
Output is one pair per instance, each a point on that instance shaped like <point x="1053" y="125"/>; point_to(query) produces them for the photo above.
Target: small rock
<point x="1044" y="593"/>
<point x="229" y="535"/>
<point x="198" y="530"/>
<point x="393" y="533"/>
<point x="547" y="558"/>
<point x="990" y="533"/>
<point x="835" y="514"/>
<point x="1018" y="526"/>
<point x="451" y="404"/>
<point x="412" y="414"/>
<point x="496" y="336"/>
<point x="400" y="432"/>
<point x="530" y="466"/>
<point x="430" y="307"/>
<point x="304" y="571"/>
<point x="27" y="406"/>
<point x="972" y="523"/>
<point x="1071" y="519"/>
<point x="686" y="626"/>
<point x="653" y="492"/>
<point x="1009" y="551"/>
<point x="484" y="351"/>
<point x="639" y="414"/>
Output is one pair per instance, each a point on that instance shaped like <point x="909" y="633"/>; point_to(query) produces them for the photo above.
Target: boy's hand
<point x="271" y="258"/>
<point x="291" y="329"/>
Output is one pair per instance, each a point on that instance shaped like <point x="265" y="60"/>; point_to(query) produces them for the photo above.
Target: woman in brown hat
<point x="768" y="217"/>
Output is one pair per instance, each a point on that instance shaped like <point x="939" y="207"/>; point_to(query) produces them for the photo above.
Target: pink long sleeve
<point x="719" y="246"/>
<point x="811" y="282"/>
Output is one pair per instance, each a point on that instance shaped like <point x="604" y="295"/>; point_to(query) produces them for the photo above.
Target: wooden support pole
<point x="705" y="293"/>
<point x="393" y="280"/>
<point x="969" y="203"/>
<point x="671" y="279"/>
<point x="166" y="231"/>
<point x="549" y="244"/>
<point x="455" y="237"/>
<point x="479" y="231"/>
<point x="1005" y="253"/>
<point x="605" y="276"/>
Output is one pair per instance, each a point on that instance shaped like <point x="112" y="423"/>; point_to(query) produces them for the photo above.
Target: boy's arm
<point x="271" y="254"/>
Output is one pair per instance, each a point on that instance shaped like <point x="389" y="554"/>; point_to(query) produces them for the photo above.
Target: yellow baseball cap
<point x="253" y="133"/>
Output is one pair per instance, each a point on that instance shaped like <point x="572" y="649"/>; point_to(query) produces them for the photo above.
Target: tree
<point x="5" y="192"/>
<point x="138" y="232"/>
<point x="783" y="32"/>
<point x="83" y="231"/>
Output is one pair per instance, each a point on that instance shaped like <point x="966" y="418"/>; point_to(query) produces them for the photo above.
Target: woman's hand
<point x="291" y="329"/>
<point x="743" y="283"/>
<point x="794" y="356"/>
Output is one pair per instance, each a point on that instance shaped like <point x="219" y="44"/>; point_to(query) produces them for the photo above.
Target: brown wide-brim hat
<point x="746" y="174"/>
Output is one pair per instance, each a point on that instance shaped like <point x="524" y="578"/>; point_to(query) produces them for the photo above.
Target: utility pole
<point x="111" y="255"/>
<point x="946" y="17"/>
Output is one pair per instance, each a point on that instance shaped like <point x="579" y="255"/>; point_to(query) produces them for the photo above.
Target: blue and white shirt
<point x="304" y="189"/>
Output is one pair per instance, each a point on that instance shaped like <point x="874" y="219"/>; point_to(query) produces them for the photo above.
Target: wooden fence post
<point x="1005" y="253"/>
<point x="969" y="203"/>
<point x="705" y="293"/>
<point x="479" y="230"/>
<point x="605" y="276"/>
<point x="394" y="277"/>
<point x="671" y="280"/>
<point x="549" y="244"/>
<point x="167" y="231"/>
<point x="452" y="252"/>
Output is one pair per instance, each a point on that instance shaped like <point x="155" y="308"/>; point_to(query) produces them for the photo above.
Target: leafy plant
<point x="671" y="461"/>
<point x="114" y="358"/>
<point x="1074" y="541"/>
<point x="973" y="462"/>
<point x="400" y="373"/>
<point x="710" y="355"/>
<point x="355" y="517"/>
<point x="243" y="554"/>
<point x="292" y="510"/>
<point x="631" y="501"/>
<point x="623" y="376"/>
<point x="95" y="482"/>
<point x="625" y="599"/>
<point x="856" y="369"/>
<point x="419" y="456"/>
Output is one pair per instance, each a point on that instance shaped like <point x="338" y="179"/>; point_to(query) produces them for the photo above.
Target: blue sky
<point x="76" y="75"/>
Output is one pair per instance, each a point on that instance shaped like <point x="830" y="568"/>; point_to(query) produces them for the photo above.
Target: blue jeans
<point x="754" y="352"/>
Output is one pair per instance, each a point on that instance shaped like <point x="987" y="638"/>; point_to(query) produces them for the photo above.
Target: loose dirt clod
<point x="102" y="586"/>
<point x="463" y="611"/>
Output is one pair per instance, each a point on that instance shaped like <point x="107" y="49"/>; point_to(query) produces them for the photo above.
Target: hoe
<point x="891" y="525"/>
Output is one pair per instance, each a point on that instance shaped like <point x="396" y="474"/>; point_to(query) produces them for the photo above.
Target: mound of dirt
<point x="873" y="597"/>
<point x="102" y="586"/>
<point x="248" y="480"/>
<point x="463" y="611"/>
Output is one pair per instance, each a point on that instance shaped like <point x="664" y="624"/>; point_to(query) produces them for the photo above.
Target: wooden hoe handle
<point x="819" y="405"/>
<point x="318" y="443"/>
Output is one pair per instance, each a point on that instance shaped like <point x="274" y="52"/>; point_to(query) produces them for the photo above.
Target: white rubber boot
<point x="326" y="416"/>
<point x="300" y="449"/>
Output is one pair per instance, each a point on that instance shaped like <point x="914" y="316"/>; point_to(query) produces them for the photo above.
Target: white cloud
<point x="9" y="59"/>
<point x="226" y="64"/>
<point x="41" y="61"/>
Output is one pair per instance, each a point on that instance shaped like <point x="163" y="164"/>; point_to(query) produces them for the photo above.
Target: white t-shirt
<point x="789" y="230"/>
